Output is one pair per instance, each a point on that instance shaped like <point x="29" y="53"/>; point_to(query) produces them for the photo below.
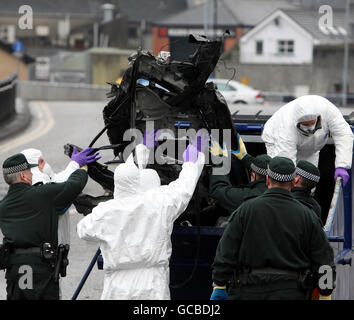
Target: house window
<point x="286" y="46"/>
<point x="132" y="33"/>
<point x="259" y="47"/>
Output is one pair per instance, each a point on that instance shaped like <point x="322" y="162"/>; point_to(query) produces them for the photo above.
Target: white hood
<point x="32" y="156"/>
<point x="126" y="179"/>
<point x="130" y="179"/>
<point x="306" y="108"/>
<point x="149" y="179"/>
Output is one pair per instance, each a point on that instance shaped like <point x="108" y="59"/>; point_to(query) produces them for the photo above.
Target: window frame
<point x="259" y="52"/>
<point x="285" y="47"/>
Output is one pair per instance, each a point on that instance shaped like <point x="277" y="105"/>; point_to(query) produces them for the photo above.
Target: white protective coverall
<point x="282" y="138"/>
<point x="134" y="229"/>
<point x="47" y="176"/>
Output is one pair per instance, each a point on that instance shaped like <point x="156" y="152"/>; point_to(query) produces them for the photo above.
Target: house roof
<point x="194" y="16"/>
<point x="269" y="19"/>
<point x="315" y="4"/>
<point x="245" y="13"/>
<point x="309" y="20"/>
<point x="54" y="8"/>
<point x="151" y="10"/>
<point x="251" y="12"/>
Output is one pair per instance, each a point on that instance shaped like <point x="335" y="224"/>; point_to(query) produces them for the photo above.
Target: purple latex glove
<point x="199" y="144"/>
<point x="201" y="140"/>
<point x="190" y="154"/>
<point x="84" y="157"/>
<point x="341" y="172"/>
<point x="150" y="138"/>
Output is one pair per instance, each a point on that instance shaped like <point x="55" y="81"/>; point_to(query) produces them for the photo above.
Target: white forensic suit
<point x="47" y="176"/>
<point x="134" y="228"/>
<point x="283" y="138"/>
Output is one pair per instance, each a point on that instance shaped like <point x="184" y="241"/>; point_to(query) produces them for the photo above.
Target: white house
<point x="278" y="39"/>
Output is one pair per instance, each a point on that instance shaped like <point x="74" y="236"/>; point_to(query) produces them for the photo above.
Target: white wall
<point x="270" y="34"/>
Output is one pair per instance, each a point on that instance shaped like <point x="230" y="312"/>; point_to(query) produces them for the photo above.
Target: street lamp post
<point x="206" y="17"/>
<point x="215" y="19"/>
<point x="346" y="55"/>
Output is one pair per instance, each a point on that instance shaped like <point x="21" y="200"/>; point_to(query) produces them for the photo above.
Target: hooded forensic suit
<point x="134" y="229"/>
<point x="283" y="137"/>
<point x="48" y="176"/>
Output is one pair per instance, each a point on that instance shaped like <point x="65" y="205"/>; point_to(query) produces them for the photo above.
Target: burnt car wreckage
<point x="177" y="94"/>
<point x="186" y="96"/>
<point x="177" y="91"/>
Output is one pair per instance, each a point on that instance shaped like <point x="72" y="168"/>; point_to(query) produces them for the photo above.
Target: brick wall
<point x="8" y="65"/>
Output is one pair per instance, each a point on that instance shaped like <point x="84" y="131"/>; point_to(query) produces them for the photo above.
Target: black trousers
<point x="30" y="278"/>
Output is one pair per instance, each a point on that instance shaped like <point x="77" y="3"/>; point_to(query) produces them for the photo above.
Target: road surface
<point x="53" y="125"/>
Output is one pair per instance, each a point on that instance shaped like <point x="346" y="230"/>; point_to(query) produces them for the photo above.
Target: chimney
<point x="108" y="12"/>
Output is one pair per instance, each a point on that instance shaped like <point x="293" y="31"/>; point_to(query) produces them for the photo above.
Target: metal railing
<point x="280" y="97"/>
<point x="285" y="97"/>
<point x="338" y="229"/>
<point x="8" y="97"/>
<point x="337" y="98"/>
<point x="338" y="226"/>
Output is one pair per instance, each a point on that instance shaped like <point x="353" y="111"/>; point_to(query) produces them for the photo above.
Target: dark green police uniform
<point x="29" y="218"/>
<point x="267" y="241"/>
<point x="310" y="172"/>
<point x="304" y="195"/>
<point x="231" y="197"/>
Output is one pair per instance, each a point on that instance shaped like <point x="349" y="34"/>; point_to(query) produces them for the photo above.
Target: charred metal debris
<point x="176" y="91"/>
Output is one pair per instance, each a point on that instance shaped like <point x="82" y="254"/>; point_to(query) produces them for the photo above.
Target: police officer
<point x="270" y="244"/>
<point x="231" y="197"/>
<point x="307" y="178"/>
<point x="29" y="223"/>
